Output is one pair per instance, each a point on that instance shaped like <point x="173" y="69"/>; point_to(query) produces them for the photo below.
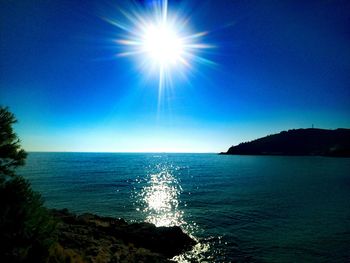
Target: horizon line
<point x="28" y="151"/>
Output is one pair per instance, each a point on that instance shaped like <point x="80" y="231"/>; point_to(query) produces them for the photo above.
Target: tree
<point x="11" y="153"/>
<point x="27" y="230"/>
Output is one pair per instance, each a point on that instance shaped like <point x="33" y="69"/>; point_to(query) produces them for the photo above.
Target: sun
<point x="161" y="42"/>
<point x="162" y="45"/>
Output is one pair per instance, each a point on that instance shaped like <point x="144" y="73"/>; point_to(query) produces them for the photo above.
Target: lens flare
<point x="160" y="41"/>
<point x="163" y="45"/>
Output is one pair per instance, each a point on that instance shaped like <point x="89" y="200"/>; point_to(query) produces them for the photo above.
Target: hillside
<point x="298" y="142"/>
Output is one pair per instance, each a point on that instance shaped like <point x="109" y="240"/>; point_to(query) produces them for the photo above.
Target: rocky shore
<point x="91" y="238"/>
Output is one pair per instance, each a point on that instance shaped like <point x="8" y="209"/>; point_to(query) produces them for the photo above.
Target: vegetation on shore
<point x="27" y="230"/>
<point x="320" y="142"/>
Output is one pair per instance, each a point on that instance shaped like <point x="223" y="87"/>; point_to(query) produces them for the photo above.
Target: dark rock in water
<point x="169" y="241"/>
<point x="106" y="239"/>
<point x="321" y="142"/>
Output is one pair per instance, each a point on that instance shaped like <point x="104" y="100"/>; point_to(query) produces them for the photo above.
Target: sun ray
<point x="161" y="42"/>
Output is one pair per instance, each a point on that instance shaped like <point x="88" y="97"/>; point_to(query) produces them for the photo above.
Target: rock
<point x="107" y="239"/>
<point x="168" y="241"/>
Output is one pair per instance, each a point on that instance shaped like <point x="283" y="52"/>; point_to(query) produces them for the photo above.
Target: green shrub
<point x="27" y="230"/>
<point x="11" y="153"/>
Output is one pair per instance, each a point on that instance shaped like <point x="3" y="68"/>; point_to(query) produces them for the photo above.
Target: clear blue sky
<point x="279" y="65"/>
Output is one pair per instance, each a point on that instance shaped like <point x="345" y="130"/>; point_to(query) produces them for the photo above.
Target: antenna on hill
<point x="312" y="126"/>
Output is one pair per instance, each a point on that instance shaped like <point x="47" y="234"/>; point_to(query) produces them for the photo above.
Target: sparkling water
<point x="239" y="208"/>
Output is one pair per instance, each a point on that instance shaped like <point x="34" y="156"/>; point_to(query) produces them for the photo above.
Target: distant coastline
<point x="298" y="142"/>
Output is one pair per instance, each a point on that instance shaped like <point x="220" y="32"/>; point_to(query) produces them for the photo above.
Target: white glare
<point x="162" y="44"/>
<point x="161" y="41"/>
<point x="161" y="199"/>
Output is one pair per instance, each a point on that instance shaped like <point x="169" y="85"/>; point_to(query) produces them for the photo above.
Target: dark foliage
<point x="27" y="230"/>
<point x="299" y="142"/>
<point x="11" y="154"/>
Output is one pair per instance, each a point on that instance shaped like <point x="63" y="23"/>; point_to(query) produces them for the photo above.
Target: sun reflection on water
<point x="161" y="199"/>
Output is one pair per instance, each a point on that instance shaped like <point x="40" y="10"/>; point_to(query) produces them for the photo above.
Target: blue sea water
<point x="239" y="208"/>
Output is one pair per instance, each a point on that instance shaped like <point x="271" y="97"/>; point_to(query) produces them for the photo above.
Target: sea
<point x="238" y="208"/>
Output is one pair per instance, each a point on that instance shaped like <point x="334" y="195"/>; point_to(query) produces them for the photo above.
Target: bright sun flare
<point x="162" y="45"/>
<point x="161" y="42"/>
